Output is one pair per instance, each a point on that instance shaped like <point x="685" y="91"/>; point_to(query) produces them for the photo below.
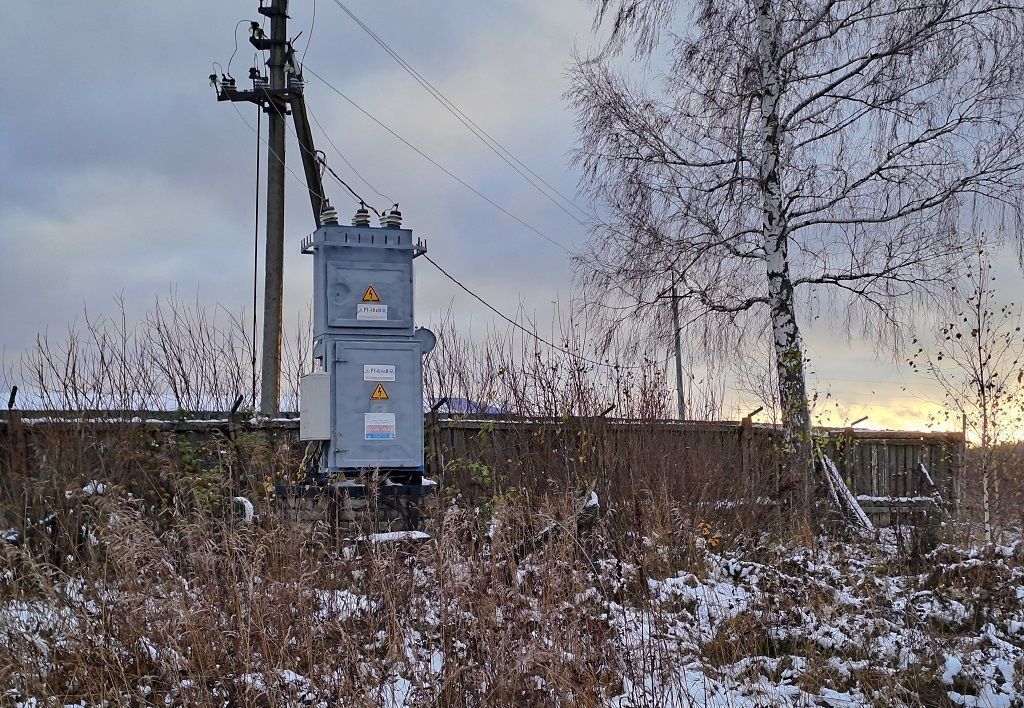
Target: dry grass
<point x="136" y="610"/>
<point x="153" y="592"/>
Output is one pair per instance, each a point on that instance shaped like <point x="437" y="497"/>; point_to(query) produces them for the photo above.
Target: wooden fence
<point x="707" y="460"/>
<point x="884" y="469"/>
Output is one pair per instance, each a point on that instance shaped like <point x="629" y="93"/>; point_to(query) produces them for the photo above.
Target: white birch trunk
<point x="796" y="419"/>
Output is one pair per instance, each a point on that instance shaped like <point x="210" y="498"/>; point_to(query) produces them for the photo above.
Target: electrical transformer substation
<point x="361" y="409"/>
<point x="362" y="406"/>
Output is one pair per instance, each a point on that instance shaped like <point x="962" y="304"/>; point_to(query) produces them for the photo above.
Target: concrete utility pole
<point x="281" y="93"/>
<point x="273" y="283"/>
<point x="275" y="97"/>
<point x="680" y="400"/>
<point x="673" y="296"/>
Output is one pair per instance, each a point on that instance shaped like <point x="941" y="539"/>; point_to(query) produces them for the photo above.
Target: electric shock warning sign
<point x="379" y="426"/>
<point x="371" y="295"/>
<point x="379" y="393"/>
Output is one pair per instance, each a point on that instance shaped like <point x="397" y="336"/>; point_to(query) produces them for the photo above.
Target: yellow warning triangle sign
<point x="371" y="296"/>
<point x="379" y="394"/>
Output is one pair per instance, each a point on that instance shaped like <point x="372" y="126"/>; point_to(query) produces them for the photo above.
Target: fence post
<point x="17" y="451"/>
<point x="849" y="449"/>
<point x="433" y="447"/>
<point x="16" y="447"/>
<point x="746" y="439"/>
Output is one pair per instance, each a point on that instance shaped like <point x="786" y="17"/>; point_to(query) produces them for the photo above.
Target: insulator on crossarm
<point x="259" y="82"/>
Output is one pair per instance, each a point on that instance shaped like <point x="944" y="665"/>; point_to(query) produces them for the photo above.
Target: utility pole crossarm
<point x="262" y="96"/>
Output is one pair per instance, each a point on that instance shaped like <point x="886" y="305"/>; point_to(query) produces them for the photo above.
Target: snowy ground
<point x="837" y="625"/>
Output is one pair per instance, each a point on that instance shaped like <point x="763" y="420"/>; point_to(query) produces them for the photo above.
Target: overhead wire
<point x="353" y="192"/>
<point x="448" y="275"/>
<point x="459" y="283"/>
<point x="323" y="163"/>
<point x="299" y="179"/>
<point x="444" y="272"/>
<point x="529" y="332"/>
<point x="309" y="37"/>
<point x="434" y="263"/>
<point x="295" y="175"/>
<point x="438" y="165"/>
<point x="343" y="158"/>
<point x="486" y="138"/>
<point x="463" y="286"/>
<point x="235" y="51"/>
<point x="272" y="153"/>
<point x="301" y="146"/>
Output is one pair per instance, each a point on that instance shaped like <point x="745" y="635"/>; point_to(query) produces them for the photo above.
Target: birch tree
<point x="794" y="151"/>
<point x="978" y="360"/>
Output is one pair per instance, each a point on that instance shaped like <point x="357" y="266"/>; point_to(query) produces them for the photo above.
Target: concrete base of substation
<point x="351" y="512"/>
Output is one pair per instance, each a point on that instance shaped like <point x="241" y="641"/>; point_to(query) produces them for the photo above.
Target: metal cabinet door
<point x="378" y="405"/>
<point x="369" y="295"/>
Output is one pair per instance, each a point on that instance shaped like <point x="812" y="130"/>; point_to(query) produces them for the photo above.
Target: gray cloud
<point x="122" y="173"/>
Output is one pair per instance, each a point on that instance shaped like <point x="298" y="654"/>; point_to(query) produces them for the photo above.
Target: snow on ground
<point x="839" y="625"/>
<point x="94" y="487"/>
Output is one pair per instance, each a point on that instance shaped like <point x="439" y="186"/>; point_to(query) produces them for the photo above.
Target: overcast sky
<point x="123" y="174"/>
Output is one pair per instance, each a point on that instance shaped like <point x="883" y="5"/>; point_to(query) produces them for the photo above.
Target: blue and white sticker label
<point x="379" y="426"/>
<point x="371" y="311"/>
<point x="378" y="372"/>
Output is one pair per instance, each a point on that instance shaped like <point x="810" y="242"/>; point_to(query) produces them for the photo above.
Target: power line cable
<point x="438" y="165"/>
<point x="486" y="138"/>
<point x="309" y="37"/>
<point x="343" y="158"/>
<point x="235" y="50"/>
<point x="529" y="332"/>
<point x="237" y="24"/>
<point x="454" y="280"/>
<point x="322" y="161"/>
<point x="299" y="179"/>
<point x="309" y="111"/>
<point x="273" y="153"/>
<point x="353" y="192"/>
